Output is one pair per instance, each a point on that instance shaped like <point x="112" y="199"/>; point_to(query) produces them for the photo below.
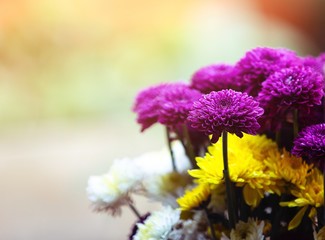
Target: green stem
<point x="229" y="187"/>
<point x="135" y="211"/>
<point x="245" y="209"/>
<point x="171" y="150"/>
<point x="295" y="123"/>
<point x="213" y="234"/>
<point x="188" y="146"/>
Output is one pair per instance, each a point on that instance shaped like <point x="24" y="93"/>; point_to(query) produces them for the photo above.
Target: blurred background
<point x="69" y="71"/>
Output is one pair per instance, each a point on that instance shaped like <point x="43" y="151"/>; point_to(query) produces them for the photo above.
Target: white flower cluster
<point x="166" y="224"/>
<point x="158" y="225"/>
<point x="159" y="162"/>
<point x="250" y="230"/>
<point x="167" y="188"/>
<point x="190" y="229"/>
<point x="110" y="191"/>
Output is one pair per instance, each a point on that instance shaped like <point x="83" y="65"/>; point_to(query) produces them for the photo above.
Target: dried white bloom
<point x="246" y="231"/>
<point x="167" y="188"/>
<point x="190" y="229"/>
<point x="320" y="235"/>
<point x="158" y="225"/>
<point x="159" y="162"/>
<point x="110" y="191"/>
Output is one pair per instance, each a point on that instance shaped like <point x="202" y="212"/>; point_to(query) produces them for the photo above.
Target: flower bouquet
<point x="244" y="157"/>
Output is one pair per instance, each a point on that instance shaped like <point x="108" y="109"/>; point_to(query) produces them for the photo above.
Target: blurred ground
<point x="69" y="71"/>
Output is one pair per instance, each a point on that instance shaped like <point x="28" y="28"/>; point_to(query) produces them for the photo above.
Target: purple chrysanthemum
<point x="321" y="59"/>
<point x="214" y="77"/>
<point x="226" y="110"/>
<point x="147" y="105"/>
<point x="175" y="104"/>
<point x="291" y="88"/>
<point x="298" y="87"/>
<point x="313" y="62"/>
<point x="310" y="144"/>
<point x="167" y="104"/>
<point x="261" y="62"/>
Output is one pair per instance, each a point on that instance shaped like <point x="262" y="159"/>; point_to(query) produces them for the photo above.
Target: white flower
<point x="158" y="225"/>
<point x="159" y="162"/>
<point x="166" y="188"/>
<point x="110" y="191"/>
<point x="320" y="235"/>
<point x="190" y="229"/>
<point x="246" y="231"/>
<point x="160" y="182"/>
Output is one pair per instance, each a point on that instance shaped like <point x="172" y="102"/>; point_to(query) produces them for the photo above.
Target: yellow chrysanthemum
<point x="246" y="166"/>
<point x="289" y="168"/>
<point x="261" y="146"/>
<point x="311" y="195"/>
<point x="195" y="197"/>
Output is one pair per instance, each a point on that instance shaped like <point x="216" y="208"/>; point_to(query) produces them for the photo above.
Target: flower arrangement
<point x="245" y="154"/>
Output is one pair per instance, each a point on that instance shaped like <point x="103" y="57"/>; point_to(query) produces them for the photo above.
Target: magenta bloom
<point x="167" y="104"/>
<point x="291" y="88"/>
<point x="226" y="110"/>
<point x="147" y="105"/>
<point x="313" y="62"/>
<point x="175" y="103"/>
<point x="321" y="57"/>
<point x="310" y="144"/>
<point x="261" y="62"/>
<point x="298" y="87"/>
<point x="214" y="77"/>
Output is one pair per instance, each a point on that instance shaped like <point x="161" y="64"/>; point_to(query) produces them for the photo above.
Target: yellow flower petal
<point x="297" y="219"/>
<point x="195" y="197"/>
<point x="251" y="196"/>
<point x="246" y="166"/>
<point x="312" y="214"/>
